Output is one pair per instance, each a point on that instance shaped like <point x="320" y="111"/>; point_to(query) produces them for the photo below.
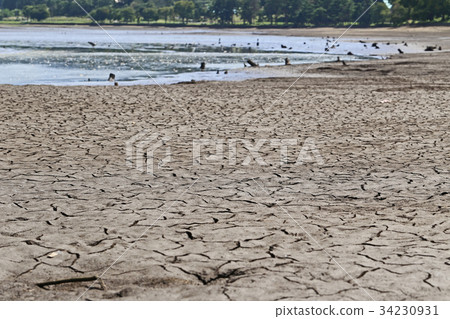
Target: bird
<point x="400" y="51"/>
<point x="218" y="72"/>
<point x="287" y="62"/>
<point x="257" y="42"/>
<point x="226" y="72"/>
<point x="344" y="64"/>
<point x="430" y="48"/>
<point x="112" y="77"/>
<point x="202" y="66"/>
<point x="350" y="53"/>
<point x="440" y="48"/>
<point x="283" y="46"/>
<point x="92" y="43"/>
<point x="374" y="44"/>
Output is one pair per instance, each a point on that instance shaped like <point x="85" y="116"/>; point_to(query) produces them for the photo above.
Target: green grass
<point x="10" y="22"/>
<point x="62" y="20"/>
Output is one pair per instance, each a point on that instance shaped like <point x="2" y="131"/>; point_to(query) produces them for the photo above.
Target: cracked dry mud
<point x="378" y="205"/>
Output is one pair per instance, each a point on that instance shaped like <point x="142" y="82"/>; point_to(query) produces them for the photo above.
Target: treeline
<point x="225" y="12"/>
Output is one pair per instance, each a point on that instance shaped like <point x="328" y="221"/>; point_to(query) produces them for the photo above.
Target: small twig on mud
<point x="68" y="280"/>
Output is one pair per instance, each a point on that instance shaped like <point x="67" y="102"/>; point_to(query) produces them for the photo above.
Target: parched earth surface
<point x="364" y="216"/>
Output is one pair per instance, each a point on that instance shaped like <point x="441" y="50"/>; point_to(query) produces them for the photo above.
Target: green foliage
<point x="340" y="11"/>
<point x="305" y="13"/>
<point x="399" y="14"/>
<point x="9" y="4"/>
<point x="37" y="12"/>
<point x="379" y="13"/>
<point x="184" y="9"/>
<point x="166" y="13"/>
<point x="224" y="10"/>
<point x="101" y="14"/>
<point x="126" y="14"/>
<point x="5" y="13"/>
<point x="320" y="17"/>
<point x="150" y="14"/>
<point x="271" y="10"/>
<point x="288" y="12"/>
<point x="249" y="10"/>
<point x="360" y="7"/>
<point x="289" y="9"/>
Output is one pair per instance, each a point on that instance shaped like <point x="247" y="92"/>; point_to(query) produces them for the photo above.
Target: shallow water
<point x="63" y="56"/>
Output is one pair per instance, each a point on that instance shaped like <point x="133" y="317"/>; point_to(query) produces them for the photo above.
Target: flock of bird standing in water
<point x="328" y="47"/>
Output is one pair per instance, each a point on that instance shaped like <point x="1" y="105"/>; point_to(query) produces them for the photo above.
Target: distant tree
<point x="124" y="3"/>
<point x="115" y="15"/>
<point x="201" y="12"/>
<point x="72" y="9"/>
<point x="101" y="14"/>
<point x="379" y="13"/>
<point x="51" y="4"/>
<point x="271" y="10"/>
<point x="4" y="13"/>
<point x="249" y="10"/>
<point x="166" y="13"/>
<point x="289" y="8"/>
<point x="138" y="6"/>
<point x="184" y="9"/>
<point x="150" y="14"/>
<point x="17" y="13"/>
<point x="39" y="12"/>
<point x="305" y="13"/>
<point x="103" y="3"/>
<point x="340" y="11"/>
<point x="320" y="17"/>
<point x="26" y="11"/>
<point x="60" y="8"/>
<point x="224" y="10"/>
<point x="360" y="7"/>
<point x="126" y="14"/>
<point x="399" y="14"/>
<point x="430" y="9"/>
<point x="9" y="4"/>
<point x="409" y="5"/>
<point x="446" y="10"/>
